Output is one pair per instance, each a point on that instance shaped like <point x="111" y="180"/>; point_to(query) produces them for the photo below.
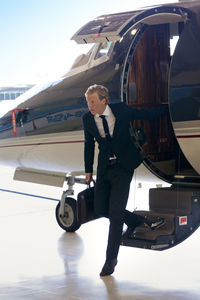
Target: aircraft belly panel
<point x="57" y="152"/>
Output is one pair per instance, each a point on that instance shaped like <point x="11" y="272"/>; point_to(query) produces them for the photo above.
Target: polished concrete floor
<point x="39" y="261"/>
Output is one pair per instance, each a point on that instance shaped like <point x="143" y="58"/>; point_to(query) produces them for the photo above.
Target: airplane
<point x="147" y="58"/>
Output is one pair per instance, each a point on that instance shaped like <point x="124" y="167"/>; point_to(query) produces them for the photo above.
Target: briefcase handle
<point x="89" y="184"/>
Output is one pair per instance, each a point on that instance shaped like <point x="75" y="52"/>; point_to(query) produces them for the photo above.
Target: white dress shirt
<point x="110" y="118"/>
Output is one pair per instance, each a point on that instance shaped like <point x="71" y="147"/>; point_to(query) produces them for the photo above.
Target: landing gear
<point x="66" y="210"/>
<point x="68" y="219"/>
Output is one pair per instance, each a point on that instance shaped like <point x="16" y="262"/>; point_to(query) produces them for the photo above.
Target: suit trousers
<point x="111" y="195"/>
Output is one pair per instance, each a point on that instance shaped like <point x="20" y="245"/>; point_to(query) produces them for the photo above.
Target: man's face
<point x="95" y="105"/>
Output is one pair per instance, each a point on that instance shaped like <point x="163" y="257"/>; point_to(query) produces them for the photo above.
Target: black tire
<point x="69" y="221"/>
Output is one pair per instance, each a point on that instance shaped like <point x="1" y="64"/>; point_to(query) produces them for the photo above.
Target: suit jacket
<point x="123" y="145"/>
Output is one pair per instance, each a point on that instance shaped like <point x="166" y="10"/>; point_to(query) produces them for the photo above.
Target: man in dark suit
<point x="109" y="125"/>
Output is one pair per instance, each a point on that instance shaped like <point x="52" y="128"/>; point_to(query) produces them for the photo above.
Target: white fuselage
<point x="62" y="152"/>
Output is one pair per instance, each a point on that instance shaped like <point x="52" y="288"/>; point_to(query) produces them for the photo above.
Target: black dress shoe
<point x="108" y="267"/>
<point x="128" y="233"/>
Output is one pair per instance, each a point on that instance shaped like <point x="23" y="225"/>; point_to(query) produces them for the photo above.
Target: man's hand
<point x="88" y="177"/>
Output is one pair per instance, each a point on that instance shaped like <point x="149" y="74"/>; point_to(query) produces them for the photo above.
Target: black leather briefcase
<point x="85" y="205"/>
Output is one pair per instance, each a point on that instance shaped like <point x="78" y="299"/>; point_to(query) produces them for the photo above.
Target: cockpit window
<point x="103" y="49"/>
<point x="83" y="59"/>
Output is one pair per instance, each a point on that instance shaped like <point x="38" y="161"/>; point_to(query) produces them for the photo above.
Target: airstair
<point x="180" y="208"/>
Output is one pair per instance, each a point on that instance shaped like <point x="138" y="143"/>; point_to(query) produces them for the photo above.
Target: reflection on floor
<point x="40" y="261"/>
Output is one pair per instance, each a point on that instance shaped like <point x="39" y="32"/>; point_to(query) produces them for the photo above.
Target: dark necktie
<point x="107" y="133"/>
<point x="105" y="127"/>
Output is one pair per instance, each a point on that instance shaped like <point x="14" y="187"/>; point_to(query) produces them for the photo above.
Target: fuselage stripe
<point x="187" y="136"/>
<point x="41" y="144"/>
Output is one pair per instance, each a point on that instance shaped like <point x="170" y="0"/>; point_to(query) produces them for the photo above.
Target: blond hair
<point x="101" y="91"/>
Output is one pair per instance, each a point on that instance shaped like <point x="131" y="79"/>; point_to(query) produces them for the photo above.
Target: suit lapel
<point x="94" y="126"/>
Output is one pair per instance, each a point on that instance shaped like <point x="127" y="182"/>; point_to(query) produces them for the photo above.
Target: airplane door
<point x="184" y="92"/>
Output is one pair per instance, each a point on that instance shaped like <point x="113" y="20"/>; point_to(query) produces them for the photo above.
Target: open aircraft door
<point x="178" y="162"/>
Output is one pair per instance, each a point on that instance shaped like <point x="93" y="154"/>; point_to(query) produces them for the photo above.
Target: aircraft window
<point x="103" y="49"/>
<point x="83" y="59"/>
<point x="173" y="42"/>
<point x="175" y="30"/>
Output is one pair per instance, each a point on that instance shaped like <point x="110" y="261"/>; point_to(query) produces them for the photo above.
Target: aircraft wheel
<point x="69" y="221"/>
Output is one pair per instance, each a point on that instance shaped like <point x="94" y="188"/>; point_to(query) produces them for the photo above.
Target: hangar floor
<point x="39" y="261"/>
